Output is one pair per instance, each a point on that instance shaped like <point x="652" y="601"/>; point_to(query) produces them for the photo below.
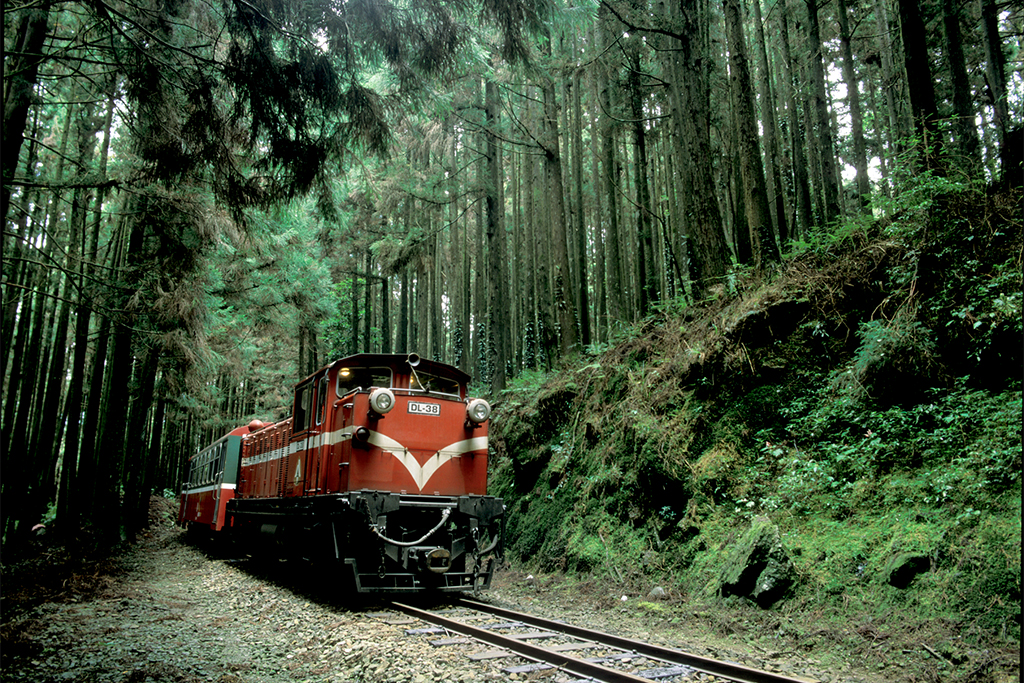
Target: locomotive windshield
<point x="424" y="381"/>
<point x="351" y="379"/>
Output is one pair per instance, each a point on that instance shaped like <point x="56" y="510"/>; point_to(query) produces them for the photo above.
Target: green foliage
<point x="916" y="190"/>
<point x="829" y="239"/>
<point x="339" y="324"/>
<point x="524" y="387"/>
<point x="895" y="360"/>
<point x="983" y="306"/>
<point x="956" y="450"/>
<point x="535" y="531"/>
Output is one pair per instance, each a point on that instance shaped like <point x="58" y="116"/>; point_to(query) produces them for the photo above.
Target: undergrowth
<point x="866" y="401"/>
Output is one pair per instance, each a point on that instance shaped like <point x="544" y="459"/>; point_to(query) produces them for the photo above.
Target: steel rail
<point x="568" y="663"/>
<point x="730" y="670"/>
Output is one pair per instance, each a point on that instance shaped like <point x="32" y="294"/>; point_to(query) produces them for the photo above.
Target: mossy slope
<point x="864" y="402"/>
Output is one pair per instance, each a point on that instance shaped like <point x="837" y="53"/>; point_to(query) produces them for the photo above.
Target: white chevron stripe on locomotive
<point x="421" y="474"/>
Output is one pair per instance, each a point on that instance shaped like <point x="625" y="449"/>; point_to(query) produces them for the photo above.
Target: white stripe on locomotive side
<point x="328" y="439"/>
<point x="377" y="439"/>
<point x="212" y="487"/>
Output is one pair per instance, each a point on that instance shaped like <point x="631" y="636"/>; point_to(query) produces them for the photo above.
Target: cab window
<point x="424" y="381"/>
<point x="321" y="400"/>
<point x="353" y="379"/>
<point x="303" y="407"/>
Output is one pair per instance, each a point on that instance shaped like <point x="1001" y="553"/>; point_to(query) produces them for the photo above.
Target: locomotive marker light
<point x="381" y="401"/>
<point x="362" y="436"/>
<point x="478" y="411"/>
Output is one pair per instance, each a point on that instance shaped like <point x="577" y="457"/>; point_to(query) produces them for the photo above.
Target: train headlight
<point x="478" y="410"/>
<point x="381" y="401"/>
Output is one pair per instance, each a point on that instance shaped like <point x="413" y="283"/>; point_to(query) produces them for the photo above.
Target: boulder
<point x="757" y="566"/>
<point x="657" y="593"/>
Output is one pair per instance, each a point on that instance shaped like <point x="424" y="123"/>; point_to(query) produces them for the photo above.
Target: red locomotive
<point x="382" y="468"/>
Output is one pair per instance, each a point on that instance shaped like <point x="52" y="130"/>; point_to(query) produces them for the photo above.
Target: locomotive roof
<point x="397" y="360"/>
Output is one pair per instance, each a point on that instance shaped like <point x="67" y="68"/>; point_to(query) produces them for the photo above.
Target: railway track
<point x="526" y="644"/>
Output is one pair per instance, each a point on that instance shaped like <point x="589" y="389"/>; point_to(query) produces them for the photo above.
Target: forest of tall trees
<point x="203" y="202"/>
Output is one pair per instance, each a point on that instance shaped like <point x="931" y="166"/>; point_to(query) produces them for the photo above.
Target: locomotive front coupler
<point x="430" y="559"/>
<point x="376" y="529"/>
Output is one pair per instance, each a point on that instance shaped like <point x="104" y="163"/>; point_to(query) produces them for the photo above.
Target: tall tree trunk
<point x="709" y="253"/>
<point x="564" y="300"/>
<point x="583" y="281"/>
<point x="736" y="221"/>
<point x="860" y="157"/>
<point x="87" y="490"/>
<point x="353" y="330"/>
<point x="755" y="192"/>
<point x="21" y="71"/>
<point x="480" y="298"/>
<point x="155" y="455"/>
<point x="595" y="81"/>
<point x="402" y="342"/>
<point x="901" y="125"/>
<point x="116" y="397"/>
<point x="965" y="133"/>
<point x="611" y="170"/>
<point x="647" y="283"/>
<point x="519" y="263"/>
<point x="804" y="214"/>
<point x="676" y="222"/>
<point x="826" y="148"/>
<point x="995" y="70"/>
<point x="531" y="344"/>
<point x="777" y="196"/>
<point x="421" y="330"/>
<point x="497" y="299"/>
<point x="367" y="304"/>
<point x="547" y="325"/>
<point x="919" y="80"/>
<point x="880" y="140"/>
<point x="112" y="436"/>
<point x="138" y="468"/>
<point x="385" y="313"/>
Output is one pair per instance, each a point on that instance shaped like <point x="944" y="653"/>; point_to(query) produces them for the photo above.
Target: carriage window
<point x="303" y="398"/>
<point x="434" y="384"/>
<point x="201" y="466"/>
<point x="350" y="379"/>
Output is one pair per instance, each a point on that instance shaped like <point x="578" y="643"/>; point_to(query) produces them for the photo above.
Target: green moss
<point x="649" y="461"/>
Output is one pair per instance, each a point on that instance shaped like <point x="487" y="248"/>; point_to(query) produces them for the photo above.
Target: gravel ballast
<point x="171" y="612"/>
